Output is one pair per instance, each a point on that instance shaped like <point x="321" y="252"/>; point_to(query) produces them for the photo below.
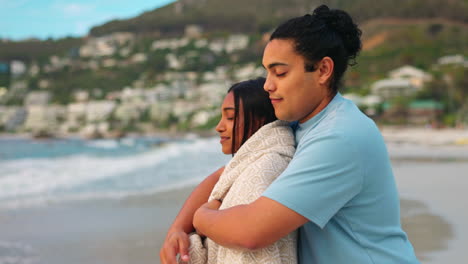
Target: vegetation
<point x="263" y="15"/>
<point x="414" y="32"/>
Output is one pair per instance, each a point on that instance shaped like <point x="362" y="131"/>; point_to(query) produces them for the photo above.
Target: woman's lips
<point x="223" y="139"/>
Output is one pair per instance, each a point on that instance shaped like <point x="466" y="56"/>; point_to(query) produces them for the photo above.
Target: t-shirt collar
<point x="300" y="129"/>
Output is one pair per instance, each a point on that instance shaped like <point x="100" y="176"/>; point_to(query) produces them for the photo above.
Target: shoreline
<point x="140" y="223"/>
<point x="391" y="134"/>
<point x="155" y="134"/>
<point x="425" y="136"/>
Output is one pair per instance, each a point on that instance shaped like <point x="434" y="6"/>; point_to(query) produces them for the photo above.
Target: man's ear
<point x="325" y="70"/>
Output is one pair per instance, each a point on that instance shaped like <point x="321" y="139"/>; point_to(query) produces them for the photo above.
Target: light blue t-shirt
<point x="341" y="179"/>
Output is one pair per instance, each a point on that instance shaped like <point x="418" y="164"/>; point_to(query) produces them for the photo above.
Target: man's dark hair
<point x="325" y="33"/>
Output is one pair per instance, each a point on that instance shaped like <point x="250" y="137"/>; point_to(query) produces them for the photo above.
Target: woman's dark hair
<point x="327" y="32"/>
<point x="257" y="109"/>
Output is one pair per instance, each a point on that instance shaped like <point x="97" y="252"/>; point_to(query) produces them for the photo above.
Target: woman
<point x="261" y="149"/>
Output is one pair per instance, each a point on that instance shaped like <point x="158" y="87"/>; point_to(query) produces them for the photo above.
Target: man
<point x="339" y="188"/>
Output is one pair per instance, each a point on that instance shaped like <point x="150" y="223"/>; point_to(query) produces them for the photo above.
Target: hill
<point x="262" y="15"/>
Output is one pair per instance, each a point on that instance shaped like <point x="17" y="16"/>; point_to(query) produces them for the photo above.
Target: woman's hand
<point x="177" y="242"/>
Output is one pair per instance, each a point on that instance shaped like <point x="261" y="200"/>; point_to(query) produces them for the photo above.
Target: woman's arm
<point x="177" y="241"/>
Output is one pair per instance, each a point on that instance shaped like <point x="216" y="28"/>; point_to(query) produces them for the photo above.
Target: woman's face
<point x="225" y="127"/>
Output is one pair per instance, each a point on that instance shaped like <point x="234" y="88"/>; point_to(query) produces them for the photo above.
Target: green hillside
<point x="393" y="35"/>
<point x="263" y="15"/>
<point x="405" y="42"/>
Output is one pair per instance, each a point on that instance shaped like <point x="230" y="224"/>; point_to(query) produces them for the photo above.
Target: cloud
<point x="74" y="9"/>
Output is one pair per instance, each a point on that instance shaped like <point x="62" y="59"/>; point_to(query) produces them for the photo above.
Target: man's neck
<point x="322" y="105"/>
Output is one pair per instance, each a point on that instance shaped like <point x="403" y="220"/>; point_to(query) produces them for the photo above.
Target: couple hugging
<point x="315" y="187"/>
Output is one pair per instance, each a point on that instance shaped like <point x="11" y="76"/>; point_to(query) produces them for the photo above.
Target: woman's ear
<point x="325" y="70"/>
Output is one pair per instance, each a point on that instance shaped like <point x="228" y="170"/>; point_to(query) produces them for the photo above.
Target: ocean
<point x="67" y="201"/>
<point x="38" y="172"/>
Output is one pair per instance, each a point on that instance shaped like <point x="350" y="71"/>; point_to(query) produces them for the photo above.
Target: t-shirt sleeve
<point x="322" y="177"/>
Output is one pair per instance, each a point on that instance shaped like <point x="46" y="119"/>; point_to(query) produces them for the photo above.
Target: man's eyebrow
<point x="274" y="64"/>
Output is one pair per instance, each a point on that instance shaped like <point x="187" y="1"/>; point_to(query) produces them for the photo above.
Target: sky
<point x="20" y="19"/>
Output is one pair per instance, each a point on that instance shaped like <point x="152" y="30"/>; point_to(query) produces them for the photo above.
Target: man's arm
<point x="177" y="241"/>
<point x="251" y="226"/>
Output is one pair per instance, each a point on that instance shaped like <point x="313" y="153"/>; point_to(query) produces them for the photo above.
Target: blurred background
<point x="108" y="108"/>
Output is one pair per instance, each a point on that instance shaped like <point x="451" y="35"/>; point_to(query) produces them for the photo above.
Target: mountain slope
<point x="263" y="15"/>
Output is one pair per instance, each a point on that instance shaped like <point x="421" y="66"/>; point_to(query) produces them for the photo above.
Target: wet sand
<point x="435" y="217"/>
<point x="132" y="230"/>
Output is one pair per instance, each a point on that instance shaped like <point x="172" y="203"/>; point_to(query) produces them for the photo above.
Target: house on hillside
<point x="417" y="77"/>
<point x="457" y="59"/>
<point x="106" y="45"/>
<point x="392" y="88"/>
<point x="12" y="117"/>
<point x="368" y="104"/>
<point x="418" y="112"/>
<point x="43" y="120"/>
<point x="37" y="98"/>
<point x="193" y="31"/>
<point x="236" y="42"/>
<point x="17" y="67"/>
<point x="424" y="112"/>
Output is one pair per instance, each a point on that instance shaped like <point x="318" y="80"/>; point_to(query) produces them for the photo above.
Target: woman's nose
<point x="220" y="126"/>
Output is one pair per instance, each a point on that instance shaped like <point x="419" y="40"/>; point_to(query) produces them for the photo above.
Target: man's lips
<point x="275" y="100"/>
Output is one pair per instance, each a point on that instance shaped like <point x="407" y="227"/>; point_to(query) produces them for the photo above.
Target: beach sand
<point x="129" y="230"/>
<point x="132" y="230"/>
<point x="431" y="179"/>
<point x="425" y="136"/>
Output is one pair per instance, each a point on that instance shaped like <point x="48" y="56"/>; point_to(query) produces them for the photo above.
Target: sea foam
<point x="35" y="181"/>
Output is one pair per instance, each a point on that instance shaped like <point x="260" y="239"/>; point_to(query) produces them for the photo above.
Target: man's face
<point x="294" y="93"/>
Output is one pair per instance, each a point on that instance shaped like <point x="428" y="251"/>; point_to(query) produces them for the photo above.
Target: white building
<point x="216" y="45"/>
<point x="248" y="71"/>
<point x="391" y="88"/>
<point x="457" y="59"/>
<point x="193" y="31"/>
<point x="43" y="119"/>
<point x="212" y="94"/>
<point x="128" y="112"/>
<point x="97" y="111"/>
<point x="139" y="58"/>
<point x="12" y="117"/>
<point x="160" y="111"/>
<point x="236" y="42"/>
<point x="17" y="67"/>
<point x="416" y="76"/>
<point x="170" y="43"/>
<point x="106" y="45"/>
<point x="37" y="98"/>
<point x="173" y="62"/>
<point x="109" y="63"/>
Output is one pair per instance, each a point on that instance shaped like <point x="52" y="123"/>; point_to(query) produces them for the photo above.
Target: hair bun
<point x="340" y="22"/>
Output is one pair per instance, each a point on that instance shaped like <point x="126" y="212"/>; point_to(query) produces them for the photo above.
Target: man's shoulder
<point x="344" y="128"/>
